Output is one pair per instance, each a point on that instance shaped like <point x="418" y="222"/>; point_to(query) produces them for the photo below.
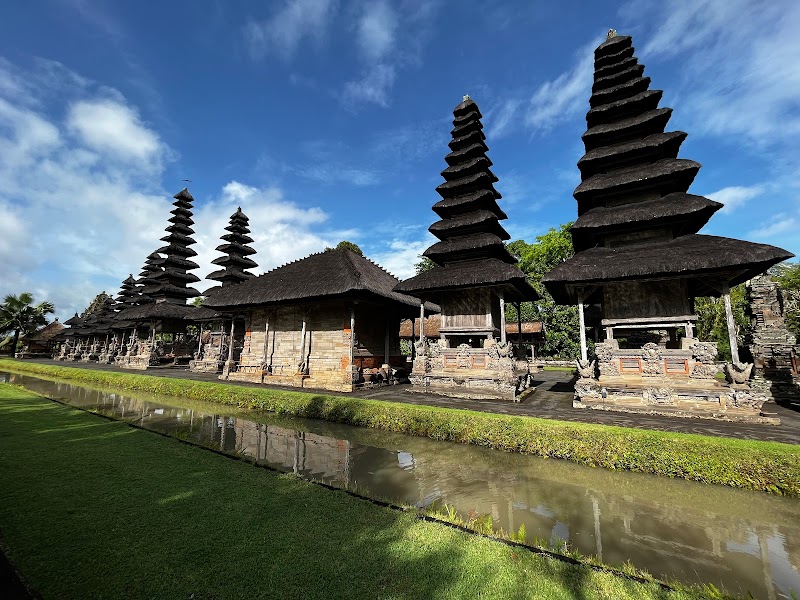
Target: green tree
<point x="712" y="322"/>
<point x="198" y="301"/>
<point x="424" y="264"/>
<point x="18" y="314"/>
<point x="561" y="323"/>
<point x="349" y="246"/>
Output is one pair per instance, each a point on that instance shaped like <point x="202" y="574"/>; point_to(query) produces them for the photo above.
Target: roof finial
<point x="466" y="97"/>
<point x="611" y="33"/>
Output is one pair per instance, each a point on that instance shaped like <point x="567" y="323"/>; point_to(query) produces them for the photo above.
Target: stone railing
<point x="696" y="360"/>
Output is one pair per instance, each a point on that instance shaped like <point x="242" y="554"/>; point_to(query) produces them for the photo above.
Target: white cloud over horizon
<point x="734" y="197"/>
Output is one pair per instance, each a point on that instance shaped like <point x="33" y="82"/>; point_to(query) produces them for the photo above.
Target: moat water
<point x="738" y="540"/>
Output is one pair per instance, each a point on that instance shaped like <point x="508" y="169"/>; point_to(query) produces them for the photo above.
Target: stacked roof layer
<point x="471" y="252"/>
<point x="636" y="219"/>
<point x="237" y="252"/>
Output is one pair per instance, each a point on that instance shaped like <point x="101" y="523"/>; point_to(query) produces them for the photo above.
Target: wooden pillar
<point x="352" y="341"/>
<point x="421" y="322"/>
<point x="519" y="326"/>
<point x="388" y="333"/>
<point x="266" y="336"/>
<point x="726" y="296"/>
<point x="200" y="340"/>
<point x="303" y="343"/>
<point x="582" y="326"/>
<point x="502" y="319"/>
<point x="230" y="345"/>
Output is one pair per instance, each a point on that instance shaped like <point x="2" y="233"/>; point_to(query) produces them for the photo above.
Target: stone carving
<point x="434" y="349"/>
<point x="588" y="388"/>
<point x="421" y="347"/>
<point x="463" y="356"/>
<point x="652" y="360"/>
<point x="746" y="399"/>
<point x="586" y="368"/>
<point x="738" y="373"/>
<point x="704" y="352"/>
<point x="661" y="395"/>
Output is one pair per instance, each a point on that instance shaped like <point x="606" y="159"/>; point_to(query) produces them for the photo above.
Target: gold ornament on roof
<point x="611" y="33"/>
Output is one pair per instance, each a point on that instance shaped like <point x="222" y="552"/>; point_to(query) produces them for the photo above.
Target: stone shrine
<point x="640" y="261"/>
<point x="473" y="278"/>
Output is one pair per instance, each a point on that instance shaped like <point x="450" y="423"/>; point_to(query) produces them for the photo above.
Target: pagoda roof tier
<point x="178" y="238"/>
<point x="487" y="272"/>
<point x="638" y="126"/>
<point x="465" y="185"/>
<point x="480" y="200"/>
<point x="157" y="311"/>
<point x="626" y="89"/>
<point x="682" y="257"/>
<point x="237" y="237"/>
<point x="181" y="221"/>
<point x="608" y="59"/>
<point x="619" y="109"/>
<point x="471" y="151"/>
<point x="184" y="195"/>
<point x="612" y="45"/>
<point x="175" y="275"/>
<point x="185" y="214"/>
<point x="234" y="248"/>
<point x="176" y="250"/>
<point x="476" y="245"/>
<point x="650" y="149"/>
<point x="337" y="273"/>
<point x="610" y="81"/>
<point x="474" y="137"/>
<point x="686" y="212"/>
<point x="615" y="68"/>
<point x="478" y="220"/>
<point x="465" y="127"/>
<point x="664" y="176"/>
<point x="237" y="226"/>
<point x="468" y="116"/>
<point x="230" y="275"/>
<point x="468" y="166"/>
<point x="73" y="320"/>
<point x="174" y="261"/>
<point x="241" y="261"/>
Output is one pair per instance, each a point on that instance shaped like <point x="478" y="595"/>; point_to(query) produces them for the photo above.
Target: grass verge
<point x="95" y="509"/>
<point x="763" y="466"/>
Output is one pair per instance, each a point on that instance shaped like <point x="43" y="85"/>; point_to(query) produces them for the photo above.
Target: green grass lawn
<point x="92" y="508"/>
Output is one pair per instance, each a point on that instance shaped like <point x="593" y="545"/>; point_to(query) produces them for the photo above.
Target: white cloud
<point x="376" y="29"/>
<point x="736" y="196"/>
<point x="287" y="28"/>
<point x="373" y="87"/>
<point x="112" y="127"/>
<point x="401" y="256"/>
<point x="500" y="120"/>
<point x="780" y="223"/>
<point x="567" y="95"/>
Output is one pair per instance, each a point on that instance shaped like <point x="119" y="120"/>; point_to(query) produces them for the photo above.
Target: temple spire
<point x="172" y="282"/>
<point x="236" y="252"/>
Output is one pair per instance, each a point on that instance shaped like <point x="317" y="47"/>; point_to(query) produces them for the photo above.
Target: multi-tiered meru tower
<point x="236" y="251"/>
<point x="473" y="278"/>
<point x="640" y="259"/>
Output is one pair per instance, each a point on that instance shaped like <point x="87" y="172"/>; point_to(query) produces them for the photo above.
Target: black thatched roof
<point x="236" y="250"/>
<point x="686" y="256"/>
<point x="156" y="311"/>
<point x="633" y="193"/>
<point x="73" y="320"/>
<point x="469" y="228"/>
<point x="46" y="333"/>
<point x="171" y="283"/>
<point x="333" y="273"/>
<point x="477" y="273"/>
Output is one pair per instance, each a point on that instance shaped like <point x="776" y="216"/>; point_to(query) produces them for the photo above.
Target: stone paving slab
<point x="551" y="400"/>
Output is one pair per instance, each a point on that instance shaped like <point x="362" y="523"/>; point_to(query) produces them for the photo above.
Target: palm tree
<point x="18" y="314"/>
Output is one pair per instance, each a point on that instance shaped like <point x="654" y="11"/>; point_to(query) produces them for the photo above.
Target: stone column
<point x="229" y="365"/>
<point x="421" y="322"/>
<point x="302" y="344"/>
<point x="200" y="341"/>
<point x="726" y="296"/>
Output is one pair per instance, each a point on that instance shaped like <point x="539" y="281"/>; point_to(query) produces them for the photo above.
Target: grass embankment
<point x="763" y="466"/>
<point x="92" y="508"/>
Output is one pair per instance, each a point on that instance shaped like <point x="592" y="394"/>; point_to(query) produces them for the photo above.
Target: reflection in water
<point x="742" y="541"/>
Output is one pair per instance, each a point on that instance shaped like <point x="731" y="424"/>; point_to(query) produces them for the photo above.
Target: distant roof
<point x="46" y="333"/>
<point x="333" y="272"/>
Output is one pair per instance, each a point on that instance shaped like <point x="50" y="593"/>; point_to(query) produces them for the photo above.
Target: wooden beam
<point x="726" y="296"/>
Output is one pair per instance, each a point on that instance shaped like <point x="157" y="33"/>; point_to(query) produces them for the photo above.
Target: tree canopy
<point x="788" y="277"/>
<point x="349" y="246"/>
<point x="18" y="314"/>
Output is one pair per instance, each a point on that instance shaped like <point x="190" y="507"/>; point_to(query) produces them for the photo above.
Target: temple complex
<point x="329" y="320"/>
<point x="774" y="349"/>
<point x="214" y="348"/>
<point x="473" y="279"/>
<point x="640" y="260"/>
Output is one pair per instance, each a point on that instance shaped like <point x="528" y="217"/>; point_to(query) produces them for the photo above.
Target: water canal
<point x="738" y="540"/>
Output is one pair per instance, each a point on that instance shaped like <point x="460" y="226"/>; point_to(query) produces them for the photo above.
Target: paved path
<point x="551" y="400"/>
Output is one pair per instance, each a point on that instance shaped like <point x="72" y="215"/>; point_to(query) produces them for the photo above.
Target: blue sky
<point x="328" y="120"/>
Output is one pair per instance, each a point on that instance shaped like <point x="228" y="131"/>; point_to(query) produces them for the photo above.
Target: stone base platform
<point x="705" y="400"/>
<point x="205" y="366"/>
<point x="472" y="384"/>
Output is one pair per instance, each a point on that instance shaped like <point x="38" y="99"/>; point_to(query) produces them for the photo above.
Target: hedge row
<point x="763" y="466"/>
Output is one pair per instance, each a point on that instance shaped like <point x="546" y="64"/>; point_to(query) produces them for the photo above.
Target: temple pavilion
<point x="641" y="262"/>
<point x="473" y="278"/>
<point x="320" y="322"/>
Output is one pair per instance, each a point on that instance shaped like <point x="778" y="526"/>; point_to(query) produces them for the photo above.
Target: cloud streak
<point x="287" y="28"/>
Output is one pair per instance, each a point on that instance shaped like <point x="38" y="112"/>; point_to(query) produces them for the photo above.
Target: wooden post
<point x="200" y="340"/>
<point x="352" y="341"/>
<point x="388" y="332"/>
<point x="266" y="336"/>
<point x="726" y="296"/>
<point x="519" y="327"/>
<point x="421" y="322"/>
<point x="582" y="327"/>
<point x="303" y="344"/>
<point x="230" y="345"/>
<point x="502" y="319"/>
